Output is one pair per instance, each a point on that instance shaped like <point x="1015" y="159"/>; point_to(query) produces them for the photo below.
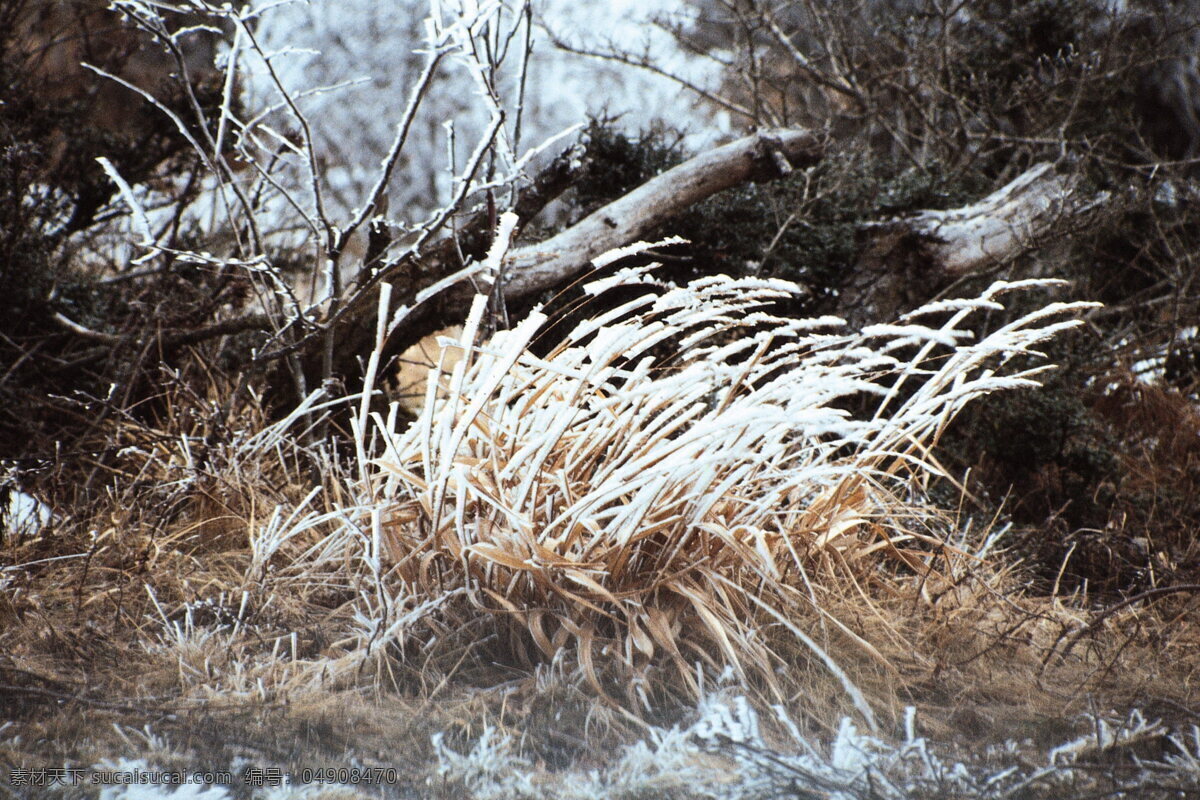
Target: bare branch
<point x="647" y="64"/>
<point x="402" y="128"/>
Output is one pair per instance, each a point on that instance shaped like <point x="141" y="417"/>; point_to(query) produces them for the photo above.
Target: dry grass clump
<point x="158" y="559"/>
<point x="688" y="494"/>
<point x="686" y="482"/>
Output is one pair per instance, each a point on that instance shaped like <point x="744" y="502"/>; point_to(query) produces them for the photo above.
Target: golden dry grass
<point x="680" y="486"/>
<point x="567" y="547"/>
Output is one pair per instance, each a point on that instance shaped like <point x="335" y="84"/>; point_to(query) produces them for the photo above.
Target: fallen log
<point x="903" y="262"/>
<point x="534" y="268"/>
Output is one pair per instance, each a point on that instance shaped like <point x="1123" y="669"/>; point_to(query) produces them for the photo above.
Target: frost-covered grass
<point x="531" y="589"/>
<point x="720" y="753"/>
<point x="687" y="483"/>
<point x="723" y="755"/>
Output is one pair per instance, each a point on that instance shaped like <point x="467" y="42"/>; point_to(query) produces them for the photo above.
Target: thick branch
<point x="762" y="156"/>
<point x="1003" y="225"/>
<point x="534" y="268"/>
<point x="906" y="262"/>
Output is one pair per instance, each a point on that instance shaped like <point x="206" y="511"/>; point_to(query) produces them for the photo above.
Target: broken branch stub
<point x="907" y="261"/>
<point x="1004" y="224"/>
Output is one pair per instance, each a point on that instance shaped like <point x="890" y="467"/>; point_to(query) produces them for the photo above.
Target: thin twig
<point x="1137" y="598"/>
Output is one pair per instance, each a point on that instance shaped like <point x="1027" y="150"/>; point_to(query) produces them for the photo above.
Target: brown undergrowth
<point x="258" y="595"/>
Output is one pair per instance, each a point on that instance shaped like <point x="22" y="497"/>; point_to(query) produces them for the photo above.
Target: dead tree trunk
<point x="902" y="263"/>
